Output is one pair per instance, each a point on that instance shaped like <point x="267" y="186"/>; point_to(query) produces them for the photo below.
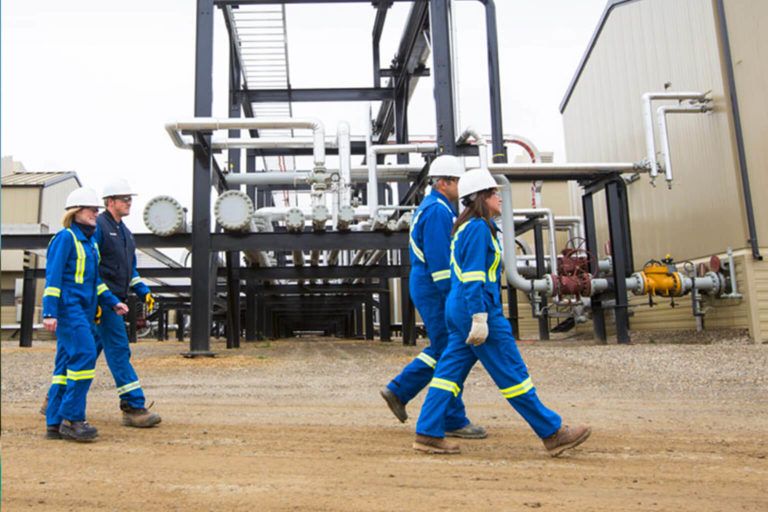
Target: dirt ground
<point x="298" y="425"/>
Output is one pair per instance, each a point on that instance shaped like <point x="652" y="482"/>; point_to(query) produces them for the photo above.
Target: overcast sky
<point x="88" y="85"/>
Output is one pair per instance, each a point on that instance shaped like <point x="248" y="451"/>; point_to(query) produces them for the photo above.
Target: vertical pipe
<point x="590" y="234"/>
<point x="199" y="343"/>
<point x="620" y="268"/>
<point x="543" y="318"/>
<point x="746" y="190"/>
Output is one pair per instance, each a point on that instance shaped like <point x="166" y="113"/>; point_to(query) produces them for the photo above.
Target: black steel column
<point x="590" y="231"/>
<point x="179" y="325"/>
<point x="27" y="306"/>
<point x="233" y="257"/>
<point x="621" y="270"/>
<point x="199" y="342"/>
<point x="538" y="240"/>
<point x="250" y="310"/>
<point x="133" y="305"/>
<point x="441" y="67"/>
<point x="160" y="322"/>
<point x="385" y="315"/>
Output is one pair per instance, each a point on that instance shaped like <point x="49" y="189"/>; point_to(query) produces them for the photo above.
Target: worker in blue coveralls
<point x="429" y="285"/>
<point x="118" y="270"/>
<point x="478" y="330"/>
<point x="72" y="293"/>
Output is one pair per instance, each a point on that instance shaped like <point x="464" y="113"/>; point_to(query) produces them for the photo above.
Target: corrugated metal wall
<point x="643" y="46"/>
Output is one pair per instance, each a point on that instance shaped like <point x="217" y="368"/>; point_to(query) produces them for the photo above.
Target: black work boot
<point x="395" y="405"/>
<point x="138" y="417"/>
<point x="52" y="432"/>
<point x="79" y="431"/>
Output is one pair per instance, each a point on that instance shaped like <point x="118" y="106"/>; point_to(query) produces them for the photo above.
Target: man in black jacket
<point x="118" y="272"/>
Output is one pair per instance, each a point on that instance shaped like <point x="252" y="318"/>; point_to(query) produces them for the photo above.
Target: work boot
<point x="395" y="405"/>
<point x="471" y="431"/>
<point x="138" y="417"/>
<point x="44" y="407"/>
<point x="52" y="432"/>
<point x="79" y="431"/>
<point x="566" y="438"/>
<point x="435" y="445"/>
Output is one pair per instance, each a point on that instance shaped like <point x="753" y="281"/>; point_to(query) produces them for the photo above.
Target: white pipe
<point x="664" y="132"/>
<point x="650" y="141"/>
<point x="482" y="144"/>
<point x="174" y="129"/>
<point x="576" y="169"/>
<point x="546" y="284"/>
<point x="345" y="167"/>
<point x="546" y="212"/>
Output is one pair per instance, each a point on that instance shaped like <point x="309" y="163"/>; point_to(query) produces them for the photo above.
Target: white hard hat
<point x="83" y="197"/>
<point x="117" y="187"/>
<point x="475" y="180"/>
<point x="446" y="166"/>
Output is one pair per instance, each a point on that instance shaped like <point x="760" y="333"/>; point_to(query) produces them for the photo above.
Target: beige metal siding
<point x="52" y="207"/>
<point x="20" y="205"/>
<point x="748" y="33"/>
<point x="644" y="45"/>
<point x="757" y="291"/>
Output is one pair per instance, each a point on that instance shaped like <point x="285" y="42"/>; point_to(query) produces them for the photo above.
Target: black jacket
<point x="118" y="258"/>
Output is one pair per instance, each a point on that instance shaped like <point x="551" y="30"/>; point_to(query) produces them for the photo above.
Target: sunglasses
<point x="125" y="199"/>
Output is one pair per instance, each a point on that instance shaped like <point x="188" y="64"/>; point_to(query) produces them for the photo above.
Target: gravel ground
<point x="298" y="425"/>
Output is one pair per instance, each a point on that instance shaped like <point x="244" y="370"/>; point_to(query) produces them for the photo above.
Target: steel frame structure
<point x="346" y="309"/>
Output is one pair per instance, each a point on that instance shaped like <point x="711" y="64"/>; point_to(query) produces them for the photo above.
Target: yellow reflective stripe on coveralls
<point x="59" y="379"/>
<point x="80" y="266"/>
<point x="476" y="275"/>
<point x="135" y="281"/>
<point x="426" y="359"/>
<point x="128" y="387"/>
<point x="441" y="274"/>
<point x="456" y="268"/>
<point x="80" y="375"/>
<point x="519" y="389"/>
<point x="496" y="260"/>
<point x="445" y="385"/>
<point x="52" y="291"/>
<point x="101" y="289"/>
<point x="419" y="254"/>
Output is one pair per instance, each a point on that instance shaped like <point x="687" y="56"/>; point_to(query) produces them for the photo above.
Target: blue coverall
<point x="118" y="269"/>
<point x="72" y="292"/>
<point x="475" y="288"/>
<point x="429" y="285"/>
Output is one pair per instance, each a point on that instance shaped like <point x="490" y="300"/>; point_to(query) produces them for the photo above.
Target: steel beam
<point x="315" y="95"/>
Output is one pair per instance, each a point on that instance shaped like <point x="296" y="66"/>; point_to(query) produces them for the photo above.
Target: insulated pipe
<point x="234" y="212"/>
<point x="345" y="166"/>
<point x="482" y="144"/>
<point x="370" y="159"/>
<point x="164" y="216"/>
<point x="576" y="169"/>
<point x="661" y="116"/>
<point x="210" y="123"/>
<point x="650" y="141"/>
<point x="546" y="212"/>
<point x="544" y="285"/>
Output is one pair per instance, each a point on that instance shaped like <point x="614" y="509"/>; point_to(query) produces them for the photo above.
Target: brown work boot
<point x="566" y="438"/>
<point x="435" y="445"/>
<point x="138" y="417"/>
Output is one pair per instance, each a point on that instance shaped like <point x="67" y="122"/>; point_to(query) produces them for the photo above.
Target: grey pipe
<point x="544" y="285"/>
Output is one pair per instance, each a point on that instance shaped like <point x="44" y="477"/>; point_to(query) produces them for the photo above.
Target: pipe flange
<point x="640" y="287"/>
<point x="294" y="220"/>
<point x="164" y="216"/>
<point x="234" y="210"/>
<point x="719" y="282"/>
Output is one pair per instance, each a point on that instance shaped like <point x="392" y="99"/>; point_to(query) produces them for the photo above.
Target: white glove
<point x="479" y="331"/>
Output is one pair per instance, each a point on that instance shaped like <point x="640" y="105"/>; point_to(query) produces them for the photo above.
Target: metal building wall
<point x="643" y="46"/>
<point x="748" y="33"/>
